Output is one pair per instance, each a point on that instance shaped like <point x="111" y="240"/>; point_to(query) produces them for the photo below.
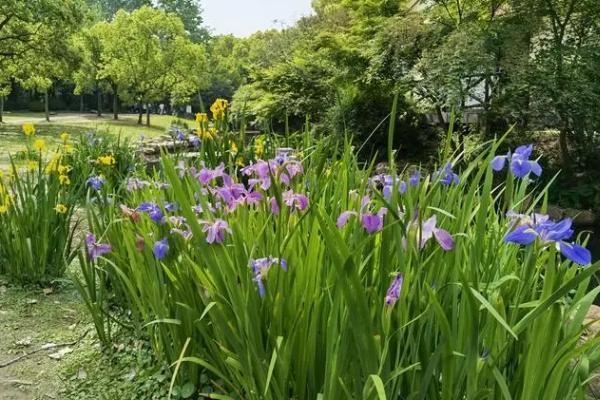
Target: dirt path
<point x="30" y="319"/>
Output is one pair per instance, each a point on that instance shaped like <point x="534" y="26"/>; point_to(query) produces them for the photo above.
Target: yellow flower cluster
<point x="107" y="160"/>
<point x="7" y="200"/>
<point x="201" y="118"/>
<point x="53" y="164"/>
<point x="39" y="145"/>
<point x="64" y="180"/>
<point x="65" y="137"/>
<point x="207" y="134"/>
<point x="218" y="108"/>
<point x="32" y="165"/>
<point x="259" y="147"/>
<point x="61" y="209"/>
<point x="233" y="148"/>
<point x="28" y="129"/>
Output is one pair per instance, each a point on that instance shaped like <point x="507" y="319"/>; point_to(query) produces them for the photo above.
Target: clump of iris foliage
<point x="40" y="194"/>
<point x="36" y="210"/>
<point x="300" y="273"/>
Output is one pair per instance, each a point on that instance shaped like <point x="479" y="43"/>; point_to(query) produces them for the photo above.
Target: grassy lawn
<point x="12" y="139"/>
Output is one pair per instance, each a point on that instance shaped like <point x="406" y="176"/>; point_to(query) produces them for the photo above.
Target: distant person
<point x="161" y="107"/>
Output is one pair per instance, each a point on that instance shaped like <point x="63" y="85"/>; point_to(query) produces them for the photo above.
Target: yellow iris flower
<point x="107" y="160"/>
<point x="61" y="209"/>
<point x="28" y="129"/>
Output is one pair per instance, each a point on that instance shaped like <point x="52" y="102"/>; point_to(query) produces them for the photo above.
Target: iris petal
<point x="576" y="253"/>
<point x="444" y="239"/>
<point x="522" y="235"/>
<point x="498" y="163"/>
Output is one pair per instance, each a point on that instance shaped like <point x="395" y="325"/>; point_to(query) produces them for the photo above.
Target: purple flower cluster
<point x="260" y="268"/>
<point x="520" y="164"/>
<point x="393" y="293"/>
<point x="527" y="230"/>
<point x="153" y="210"/>
<point x="446" y="175"/>
<point x="371" y="222"/>
<point x="95" y="249"/>
<point x="161" y="248"/>
<point x="387" y="183"/>
<point x="95" y="182"/>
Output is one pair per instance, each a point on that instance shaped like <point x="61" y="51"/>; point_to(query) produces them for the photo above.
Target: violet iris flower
<point x="134" y="184"/>
<point x="296" y="200"/>
<point x="260" y="268"/>
<point x="94" y="248"/>
<point x="153" y="211"/>
<point x="430" y="230"/>
<point x="206" y="175"/>
<point x="372" y="223"/>
<point x="446" y="175"/>
<point x="171" y="207"/>
<point x="161" y="248"/>
<point x="520" y="165"/>
<point x="215" y="231"/>
<point x="194" y="140"/>
<point x="95" y="182"/>
<point x="393" y="293"/>
<point x="542" y="228"/>
<point x="388" y="183"/>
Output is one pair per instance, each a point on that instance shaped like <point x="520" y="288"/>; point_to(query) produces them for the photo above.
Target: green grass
<point x="27" y="315"/>
<point x="12" y="140"/>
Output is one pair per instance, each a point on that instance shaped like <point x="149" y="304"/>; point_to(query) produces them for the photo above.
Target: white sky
<point x="244" y="17"/>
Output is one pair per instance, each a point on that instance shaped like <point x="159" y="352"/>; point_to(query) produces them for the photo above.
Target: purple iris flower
<point x="542" y="228"/>
<point x="185" y="234"/>
<point x="296" y="200"/>
<point x="215" y="231"/>
<point x="372" y="223"/>
<point x="134" y="184"/>
<point x="161" y="248"/>
<point x="94" y="248"/>
<point x="194" y="140"/>
<point x="282" y="154"/>
<point x="171" y="207"/>
<point x="253" y="198"/>
<point x="414" y="178"/>
<point x="177" y="133"/>
<point x="206" y="175"/>
<point x="520" y="165"/>
<point x="177" y="221"/>
<point x="261" y="266"/>
<point x="446" y="175"/>
<point x="95" y="182"/>
<point x="274" y="206"/>
<point x="393" y="293"/>
<point x="153" y="211"/>
<point x="162" y="185"/>
<point x="430" y="230"/>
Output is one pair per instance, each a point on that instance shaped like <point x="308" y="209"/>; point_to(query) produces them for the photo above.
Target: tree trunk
<point x="140" y="113"/>
<point x="46" y="107"/>
<point x="81" y="103"/>
<point x="1" y="108"/>
<point x="115" y="103"/>
<point x="99" y="98"/>
<point x="563" y="145"/>
<point x="147" y="114"/>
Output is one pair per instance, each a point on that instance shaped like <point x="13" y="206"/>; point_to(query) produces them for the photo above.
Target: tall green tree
<point x="30" y="30"/>
<point x="149" y="56"/>
<point x="190" y="12"/>
<point x="108" y="8"/>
